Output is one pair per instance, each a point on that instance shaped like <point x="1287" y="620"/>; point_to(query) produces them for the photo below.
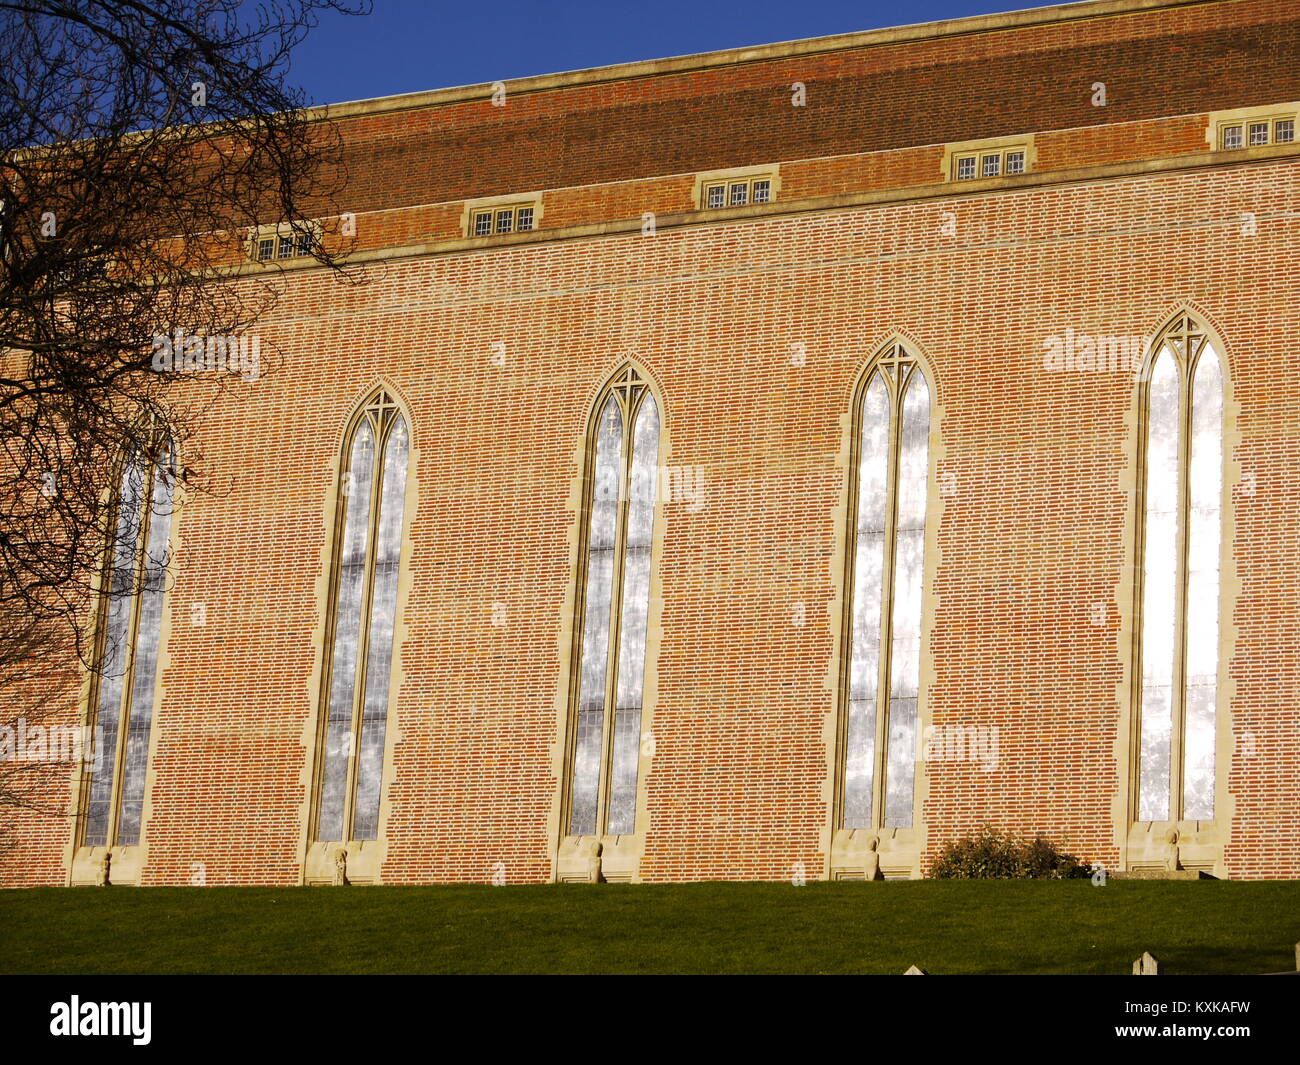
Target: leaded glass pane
<point x="114" y="657"/>
<point x="909" y="572"/>
<point x="868" y="572"/>
<point x="347" y="633"/>
<point x="635" y="609"/>
<point x="601" y="536"/>
<point x="379" y="654"/>
<point x="145" y="672"/>
<point x="1159" y="588"/>
<point x="1203" y="532"/>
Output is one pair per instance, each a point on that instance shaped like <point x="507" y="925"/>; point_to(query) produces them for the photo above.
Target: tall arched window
<point x="358" y="667"/>
<point x="130" y="630"/>
<point x="614" y="605"/>
<point x="1179" y="529"/>
<point x="880" y="685"/>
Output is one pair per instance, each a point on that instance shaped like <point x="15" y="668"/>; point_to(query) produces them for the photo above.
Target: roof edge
<point x="1007" y="20"/>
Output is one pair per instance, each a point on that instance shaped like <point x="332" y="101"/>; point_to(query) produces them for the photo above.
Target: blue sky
<point x="412" y="45"/>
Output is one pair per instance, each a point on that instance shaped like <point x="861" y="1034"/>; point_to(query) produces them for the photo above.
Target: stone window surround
<point x="276" y="230"/>
<point x="618" y="858"/>
<point x="989" y="146"/>
<point x="85" y="865"/>
<point x="364" y="859"/>
<point x="880" y="852"/>
<point x="1199" y="845"/>
<point x="1243" y="116"/>
<point x="770" y="172"/>
<point x="514" y="199"/>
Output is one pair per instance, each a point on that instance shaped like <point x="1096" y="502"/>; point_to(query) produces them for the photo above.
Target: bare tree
<point x="141" y="143"/>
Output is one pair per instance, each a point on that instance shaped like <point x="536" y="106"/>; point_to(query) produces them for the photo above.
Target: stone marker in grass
<point x="1147" y="965"/>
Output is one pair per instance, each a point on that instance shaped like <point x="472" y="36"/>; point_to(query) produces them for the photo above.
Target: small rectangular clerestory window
<point x="984" y="160"/>
<point x="723" y="189"/>
<point x="1254" y="134"/>
<point x="287" y="240"/>
<point x="1253" y="127"/>
<point x="738" y="193"/>
<point x="501" y="216"/>
<point x="996" y="161"/>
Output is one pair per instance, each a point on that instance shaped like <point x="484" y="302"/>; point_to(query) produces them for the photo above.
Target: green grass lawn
<point x="943" y="926"/>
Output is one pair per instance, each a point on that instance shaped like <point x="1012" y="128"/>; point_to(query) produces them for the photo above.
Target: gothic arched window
<point x="1179" y="530"/>
<point x="888" y="498"/>
<point x="614" y="603"/>
<point x="363" y="600"/>
<point x="129" y="635"/>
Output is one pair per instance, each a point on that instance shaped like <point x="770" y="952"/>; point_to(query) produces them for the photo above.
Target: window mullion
<point x="1178" y="697"/>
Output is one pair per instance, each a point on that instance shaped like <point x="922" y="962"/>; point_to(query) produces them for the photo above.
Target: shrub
<point x="991" y="855"/>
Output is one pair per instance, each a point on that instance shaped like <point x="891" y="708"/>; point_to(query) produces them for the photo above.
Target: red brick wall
<point x="1177" y="61"/>
<point x="1031" y="534"/>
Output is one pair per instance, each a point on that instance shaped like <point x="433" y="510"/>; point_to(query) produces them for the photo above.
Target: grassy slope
<point x="945" y="927"/>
